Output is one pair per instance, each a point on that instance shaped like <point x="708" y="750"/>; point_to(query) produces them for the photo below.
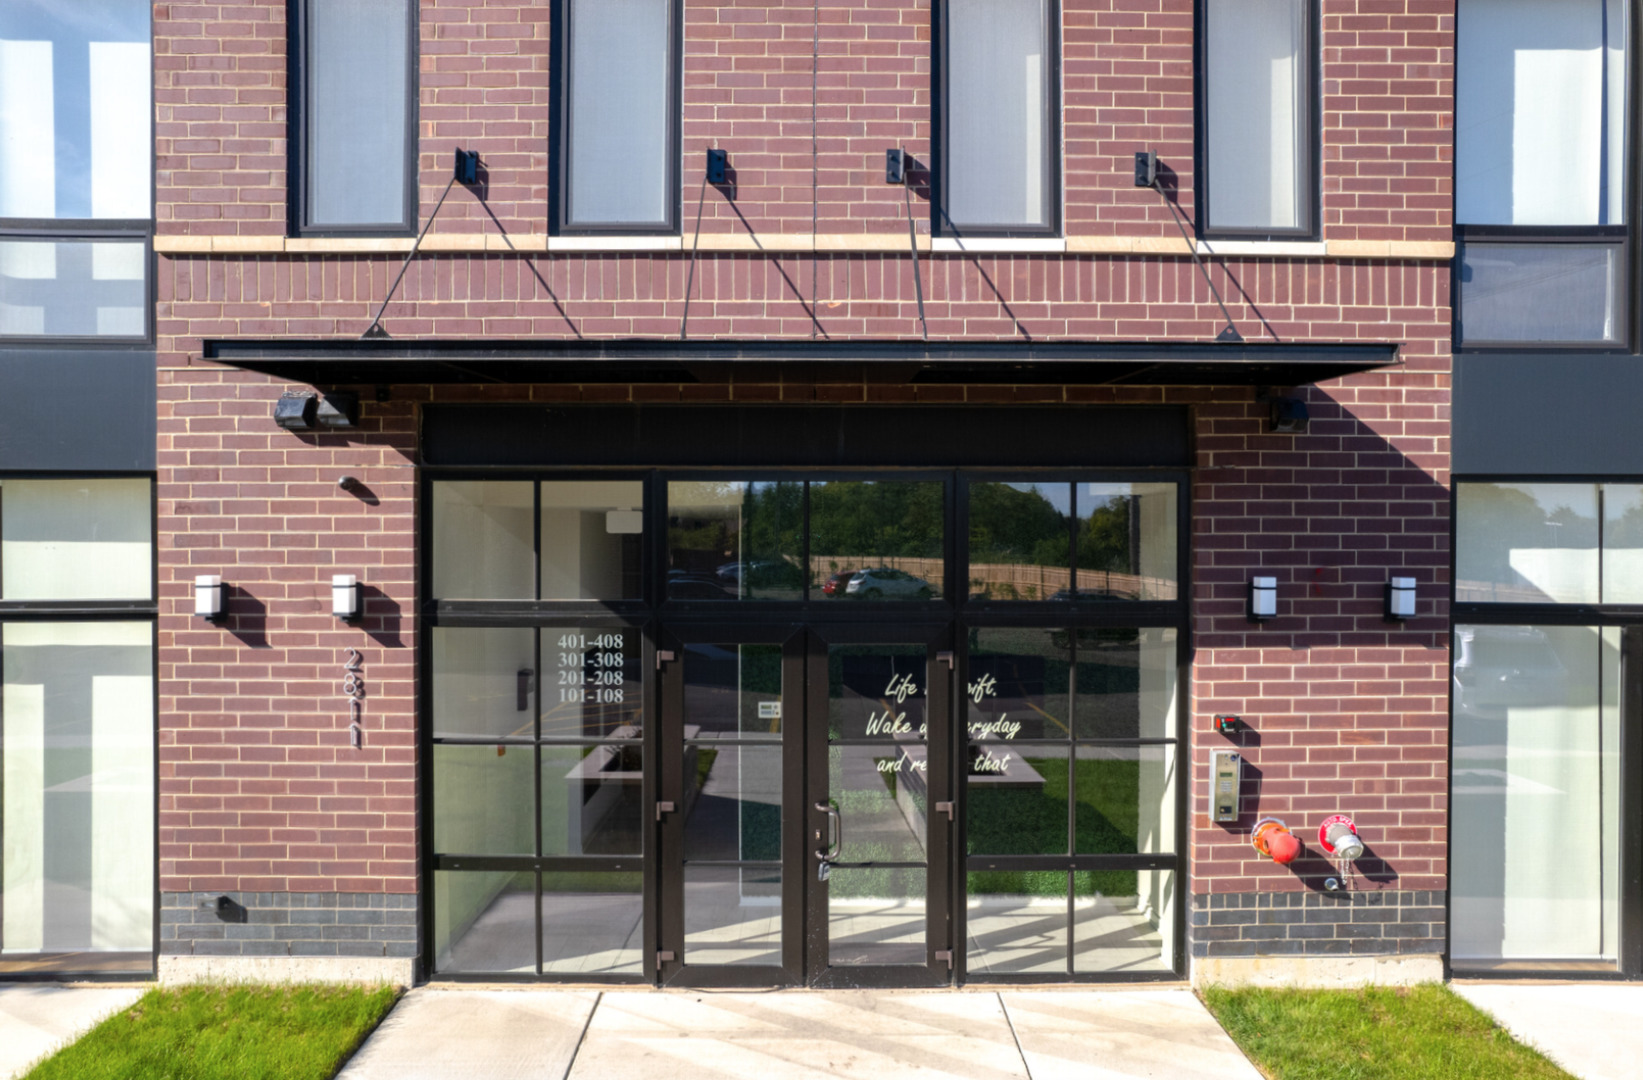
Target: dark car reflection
<point x="1497" y="667"/>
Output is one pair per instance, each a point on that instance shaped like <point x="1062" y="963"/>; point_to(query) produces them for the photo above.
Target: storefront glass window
<point x="878" y="540"/>
<point x="1536" y="788"/>
<point x="83" y="539"/>
<point x="77" y="774"/>
<point x="735" y="540"/>
<point x="1071" y="753"/>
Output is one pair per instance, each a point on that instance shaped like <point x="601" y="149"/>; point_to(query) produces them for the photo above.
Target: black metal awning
<point x="340" y="362"/>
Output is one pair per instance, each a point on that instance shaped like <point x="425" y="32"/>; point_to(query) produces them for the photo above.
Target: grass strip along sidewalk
<point x="1376" y="1033"/>
<point x="225" y="1033"/>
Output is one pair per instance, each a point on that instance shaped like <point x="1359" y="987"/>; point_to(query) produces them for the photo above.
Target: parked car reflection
<point x="1501" y="667"/>
<point x="834" y="585"/>
<point x="883" y="583"/>
<point x="686" y="586"/>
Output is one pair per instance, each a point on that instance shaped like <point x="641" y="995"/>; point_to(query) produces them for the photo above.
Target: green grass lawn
<point x="225" y="1033"/>
<point x="1376" y="1033"/>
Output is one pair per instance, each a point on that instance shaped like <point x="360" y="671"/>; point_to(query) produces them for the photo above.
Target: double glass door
<point x="805" y="806"/>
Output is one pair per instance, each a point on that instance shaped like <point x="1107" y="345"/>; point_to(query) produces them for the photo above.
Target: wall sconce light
<point x="1289" y="416"/>
<point x="208" y="597"/>
<point x="1263" y="598"/>
<point x="718" y="165"/>
<point x="346" y="597"/>
<point x="1400" y="598"/>
<point x="296" y="412"/>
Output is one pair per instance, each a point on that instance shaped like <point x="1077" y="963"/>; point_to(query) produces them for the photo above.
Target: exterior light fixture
<point x="208" y="597"/>
<point x="1400" y="598"/>
<point x="1289" y="416"/>
<point x="718" y="165"/>
<point x="298" y="411"/>
<point x="1263" y="598"/>
<point x="345" y="597"/>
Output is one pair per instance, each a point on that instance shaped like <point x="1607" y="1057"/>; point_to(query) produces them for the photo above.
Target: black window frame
<point x="559" y="150"/>
<point x="299" y="151"/>
<point x="65" y="611"/>
<point x="941" y="224"/>
<point x="1203" y="220"/>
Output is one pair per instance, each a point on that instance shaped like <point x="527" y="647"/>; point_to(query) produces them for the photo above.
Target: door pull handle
<point x="835" y="831"/>
<point x="945" y="657"/>
<point x="945" y="808"/>
<point x="663" y="808"/>
<point x="664" y="656"/>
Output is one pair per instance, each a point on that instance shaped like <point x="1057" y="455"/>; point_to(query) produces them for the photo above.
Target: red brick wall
<point x="1387" y="81"/>
<point x="259" y="789"/>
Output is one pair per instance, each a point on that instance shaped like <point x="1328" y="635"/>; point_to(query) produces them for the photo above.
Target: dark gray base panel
<point x="288" y="924"/>
<point x="1379" y="922"/>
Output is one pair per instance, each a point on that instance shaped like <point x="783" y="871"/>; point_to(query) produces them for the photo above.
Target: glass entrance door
<point x="731" y="887"/>
<point x="803" y="812"/>
<point x="880" y="809"/>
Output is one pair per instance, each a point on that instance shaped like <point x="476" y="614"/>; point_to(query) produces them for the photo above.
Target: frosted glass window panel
<point x="1259" y="128"/>
<point x="76" y="108"/>
<point x="1622" y="544"/>
<point x="1530" y="744"/>
<point x="355" y="112"/>
<point x="1556" y="293"/>
<point x="484" y="682"/>
<point x="73" y="288"/>
<point x="998" y="114"/>
<point x="1540" y="112"/>
<point x="484" y="540"/>
<point x="484" y="796"/>
<point x="592" y="533"/>
<point x="76" y="540"/>
<point x="1526" y="543"/>
<point x="619" y="138"/>
<point x="77" y="783"/>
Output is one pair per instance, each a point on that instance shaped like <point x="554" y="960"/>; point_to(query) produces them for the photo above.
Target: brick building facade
<point x="328" y="854"/>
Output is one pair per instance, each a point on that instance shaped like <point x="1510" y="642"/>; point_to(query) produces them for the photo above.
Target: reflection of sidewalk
<point x="555" y="1035"/>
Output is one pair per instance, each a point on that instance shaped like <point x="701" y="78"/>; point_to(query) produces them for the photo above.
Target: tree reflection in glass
<point x="877" y="540"/>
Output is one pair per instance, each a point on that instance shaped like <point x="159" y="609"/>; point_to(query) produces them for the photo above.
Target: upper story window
<point x="618" y="116"/>
<point x="1540" y="172"/>
<point x="1258" y="155"/>
<point x="76" y="174"/>
<point x="998" y="155"/>
<point x="353" y="141"/>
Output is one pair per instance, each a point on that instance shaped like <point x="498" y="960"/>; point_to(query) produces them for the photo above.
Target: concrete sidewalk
<point x="532" y="1034"/>
<point x="37" y="1020"/>
<point x="1594" y="1030"/>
